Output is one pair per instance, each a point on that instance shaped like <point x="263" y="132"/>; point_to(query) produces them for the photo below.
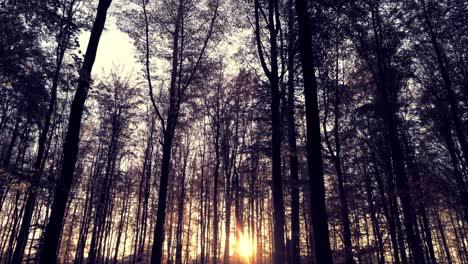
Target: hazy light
<point x="245" y="246"/>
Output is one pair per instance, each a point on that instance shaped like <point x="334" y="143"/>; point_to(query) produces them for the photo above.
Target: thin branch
<point x="147" y="64"/>
<point x="259" y="41"/>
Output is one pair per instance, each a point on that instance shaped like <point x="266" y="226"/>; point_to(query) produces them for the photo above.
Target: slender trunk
<point x="31" y="201"/>
<point x="386" y="86"/>
<point x="215" y="189"/>
<point x="419" y="195"/>
<point x="187" y="243"/>
<point x="293" y="159"/>
<point x="440" y="228"/>
<point x="459" y="179"/>
<point x="54" y="228"/>
<point x="387" y="209"/>
<point x="180" y="213"/>
<point x="272" y="74"/>
<point x="120" y="227"/>
<point x="158" y="240"/>
<point x="14" y="136"/>
<point x="451" y="97"/>
<point x="168" y="134"/>
<point x="374" y="219"/>
<point x="314" y="145"/>
<point x="340" y="175"/>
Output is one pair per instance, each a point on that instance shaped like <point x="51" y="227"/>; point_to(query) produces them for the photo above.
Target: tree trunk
<point x="31" y="201"/>
<point x="314" y="146"/>
<point x="293" y="159"/>
<point x="272" y="74"/>
<point x="451" y="98"/>
<point x="168" y="134"/>
<point x="339" y="172"/>
<point x="386" y="89"/>
<point x="180" y="212"/>
<point x="54" y="228"/>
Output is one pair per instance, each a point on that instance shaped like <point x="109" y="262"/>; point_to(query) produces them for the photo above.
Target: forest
<point x="246" y="132"/>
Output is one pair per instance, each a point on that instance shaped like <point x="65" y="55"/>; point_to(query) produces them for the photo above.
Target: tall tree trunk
<point x="180" y="212"/>
<point x="445" y="131"/>
<point x="386" y="86"/>
<point x="168" y="134"/>
<point x="293" y="159"/>
<point x="442" y="234"/>
<point x="374" y="219"/>
<point x="272" y="74"/>
<point x="215" y="185"/>
<point x="387" y="207"/>
<point x="314" y="145"/>
<point x="416" y="180"/>
<point x="11" y="145"/>
<point x="121" y="224"/>
<point x="32" y="191"/>
<point x="54" y="228"/>
<point x="339" y="170"/>
<point x="451" y="97"/>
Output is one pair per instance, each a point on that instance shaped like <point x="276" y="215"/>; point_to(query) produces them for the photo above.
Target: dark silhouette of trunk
<point x="393" y="212"/>
<point x="341" y="188"/>
<point x="143" y="196"/>
<point x="336" y="157"/>
<point x="416" y="180"/>
<point x="187" y="243"/>
<point x="86" y="220"/>
<point x="156" y="256"/>
<point x="402" y="180"/>
<point x="202" y="207"/>
<point x="447" y="83"/>
<point x="32" y="191"/>
<point x="180" y="211"/>
<point x="228" y="218"/>
<point x="383" y="201"/>
<point x="121" y="223"/>
<point x="176" y="95"/>
<point x="168" y="134"/>
<point x="216" y="128"/>
<point x="105" y="198"/>
<point x="11" y="145"/>
<point x="386" y="86"/>
<point x="374" y="219"/>
<point x="293" y="159"/>
<point x="314" y="145"/>
<point x="54" y="228"/>
<point x="442" y="234"/>
<point x="445" y="131"/>
<point x="16" y="218"/>
<point x="229" y="160"/>
<point x="272" y="74"/>
<point x="170" y="227"/>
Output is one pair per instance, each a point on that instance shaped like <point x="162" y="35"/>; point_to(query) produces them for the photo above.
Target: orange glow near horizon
<point x="245" y="246"/>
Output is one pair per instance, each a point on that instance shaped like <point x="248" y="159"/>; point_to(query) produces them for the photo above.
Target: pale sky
<point x="115" y="48"/>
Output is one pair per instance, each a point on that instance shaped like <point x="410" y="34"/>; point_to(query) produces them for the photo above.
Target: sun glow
<point x="245" y="246"/>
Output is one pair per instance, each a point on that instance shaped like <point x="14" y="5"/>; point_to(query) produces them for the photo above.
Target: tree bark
<point x="314" y="146"/>
<point x="54" y="228"/>
<point x="293" y="159"/>
<point x="272" y="74"/>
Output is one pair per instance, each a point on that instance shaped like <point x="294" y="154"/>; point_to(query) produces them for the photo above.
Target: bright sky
<point x="115" y="48"/>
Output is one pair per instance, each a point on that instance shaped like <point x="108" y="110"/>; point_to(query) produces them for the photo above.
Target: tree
<point x="70" y="148"/>
<point x="272" y="74"/>
<point x="314" y="149"/>
<point x="181" y="76"/>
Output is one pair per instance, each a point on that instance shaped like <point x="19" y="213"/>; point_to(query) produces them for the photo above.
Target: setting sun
<point x="245" y="246"/>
